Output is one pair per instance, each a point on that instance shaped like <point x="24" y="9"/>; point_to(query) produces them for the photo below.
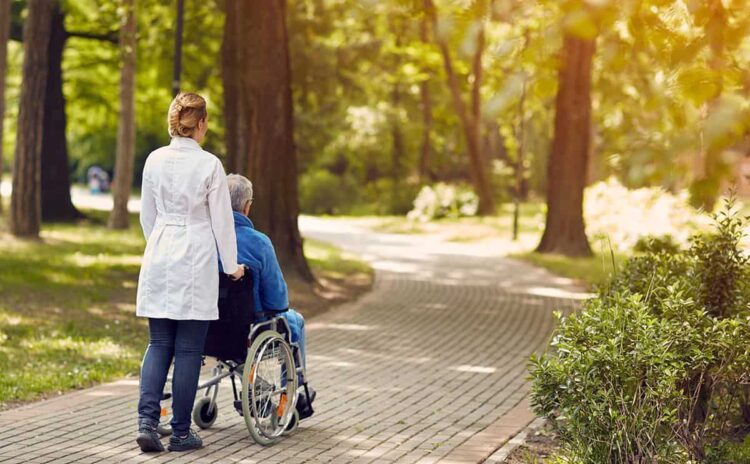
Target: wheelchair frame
<point x="205" y="409"/>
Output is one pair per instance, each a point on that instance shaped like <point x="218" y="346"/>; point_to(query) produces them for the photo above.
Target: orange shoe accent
<point x="282" y="405"/>
<point x="163" y="412"/>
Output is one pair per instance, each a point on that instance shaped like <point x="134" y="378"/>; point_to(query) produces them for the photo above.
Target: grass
<point x="330" y="262"/>
<point x="591" y="271"/>
<point x="67" y="305"/>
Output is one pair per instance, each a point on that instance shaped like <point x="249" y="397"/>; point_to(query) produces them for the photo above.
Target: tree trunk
<point x="425" y="174"/>
<point x="56" y="202"/>
<point x="234" y="112"/>
<point x="123" y="181"/>
<point x="565" y="232"/>
<point x="25" y="202"/>
<point x="470" y="117"/>
<point x="4" y="36"/>
<point x="267" y="133"/>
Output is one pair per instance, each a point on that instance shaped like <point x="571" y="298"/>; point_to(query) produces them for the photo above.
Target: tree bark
<point x="267" y="132"/>
<point x="424" y="172"/>
<point x="565" y="232"/>
<point x="123" y="181"/>
<point x="470" y="117"/>
<point x="57" y="204"/>
<point x="234" y="113"/>
<point x="25" y="203"/>
<point x="4" y="36"/>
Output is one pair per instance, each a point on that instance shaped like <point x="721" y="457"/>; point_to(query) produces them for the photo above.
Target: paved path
<point x="428" y="367"/>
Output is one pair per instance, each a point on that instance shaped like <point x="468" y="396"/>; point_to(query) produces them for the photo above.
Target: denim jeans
<point x="183" y="341"/>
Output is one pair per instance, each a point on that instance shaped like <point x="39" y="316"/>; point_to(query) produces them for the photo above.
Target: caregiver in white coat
<point x="186" y="215"/>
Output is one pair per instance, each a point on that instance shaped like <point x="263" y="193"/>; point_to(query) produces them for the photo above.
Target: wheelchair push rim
<point x="269" y="387"/>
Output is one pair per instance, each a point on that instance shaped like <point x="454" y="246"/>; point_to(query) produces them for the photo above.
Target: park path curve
<point x="430" y="366"/>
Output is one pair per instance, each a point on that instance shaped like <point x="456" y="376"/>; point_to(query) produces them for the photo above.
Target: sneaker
<point x="148" y="439"/>
<point x="190" y="442"/>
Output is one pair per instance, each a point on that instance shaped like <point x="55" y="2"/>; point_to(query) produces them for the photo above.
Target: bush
<point x="652" y="244"/>
<point x="444" y="201"/>
<point x="321" y="192"/>
<point x="626" y="216"/>
<point x="655" y="367"/>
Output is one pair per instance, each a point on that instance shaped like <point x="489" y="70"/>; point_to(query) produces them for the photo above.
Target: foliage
<point x="321" y="192"/>
<point x="624" y="216"/>
<point x="728" y="452"/>
<point x="659" y="356"/>
<point x="443" y="201"/>
<point x="656" y="244"/>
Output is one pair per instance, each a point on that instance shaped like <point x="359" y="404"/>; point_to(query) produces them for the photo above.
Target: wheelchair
<point x="254" y="348"/>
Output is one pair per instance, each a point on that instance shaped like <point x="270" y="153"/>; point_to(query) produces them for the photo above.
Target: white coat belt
<point x="178" y="219"/>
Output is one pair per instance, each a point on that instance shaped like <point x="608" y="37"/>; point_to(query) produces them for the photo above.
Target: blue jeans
<point x="297" y="327"/>
<point x="183" y="341"/>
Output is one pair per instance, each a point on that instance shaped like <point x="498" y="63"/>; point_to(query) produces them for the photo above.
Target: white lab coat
<point x="186" y="216"/>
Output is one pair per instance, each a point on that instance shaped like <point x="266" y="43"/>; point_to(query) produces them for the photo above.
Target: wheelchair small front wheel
<point x="293" y="424"/>
<point x="205" y="412"/>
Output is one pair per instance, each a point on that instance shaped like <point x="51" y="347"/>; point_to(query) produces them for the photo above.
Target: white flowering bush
<point x="626" y="215"/>
<point x="444" y="201"/>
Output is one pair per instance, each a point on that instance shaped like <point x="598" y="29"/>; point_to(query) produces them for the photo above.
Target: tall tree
<point x="470" y="116"/>
<point x="564" y="231"/>
<point x="57" y="204"/>
<point x="4" y="36"/>
<point x="25" y="203"/>
<point x="123" y="181"/>
<point x="264" y="95"/>
<point x="423" y="169"/>
<point x="234" y="111"/>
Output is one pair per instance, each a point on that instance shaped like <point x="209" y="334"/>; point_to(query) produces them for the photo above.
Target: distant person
<point x="186" y="216"/>
<point x="98" y="180"/>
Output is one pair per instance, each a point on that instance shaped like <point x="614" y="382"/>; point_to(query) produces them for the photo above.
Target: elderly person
<point x="186" y="217"/>
<point x="255" y="250"/>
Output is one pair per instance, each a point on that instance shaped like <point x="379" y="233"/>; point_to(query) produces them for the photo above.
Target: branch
<point x="111" y="36"/>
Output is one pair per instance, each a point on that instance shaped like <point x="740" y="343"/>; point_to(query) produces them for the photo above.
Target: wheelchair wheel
<point x="269" y="388"/>
<point x="293" y="424"/>
<point x="205" y="412"/>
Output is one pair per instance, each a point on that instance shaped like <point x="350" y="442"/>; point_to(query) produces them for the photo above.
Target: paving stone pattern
<point x="428" y="367"/>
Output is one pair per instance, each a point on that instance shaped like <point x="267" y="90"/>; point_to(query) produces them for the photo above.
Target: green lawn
<point x="590" y="271"/>
<point x="67" y="305"/>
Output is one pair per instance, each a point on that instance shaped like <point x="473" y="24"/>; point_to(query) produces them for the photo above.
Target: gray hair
<point x="240" y="190"/>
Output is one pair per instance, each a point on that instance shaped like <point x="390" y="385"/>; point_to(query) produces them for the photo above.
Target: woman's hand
<point x="239" y="273"/>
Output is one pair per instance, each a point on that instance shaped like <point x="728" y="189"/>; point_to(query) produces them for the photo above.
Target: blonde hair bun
<point x="185" y="111"/>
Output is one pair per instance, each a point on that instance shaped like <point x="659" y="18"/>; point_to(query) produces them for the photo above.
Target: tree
<point x="264" y="96"/>
<point x="25" y="203"/>
<point x="123" y="181"/>
<point x="4" y="36"/>
<point x="425" y="173"/>
<point x="57" y="204"/>
<point x="470" y="117"/>
<point x="564" y="231"/>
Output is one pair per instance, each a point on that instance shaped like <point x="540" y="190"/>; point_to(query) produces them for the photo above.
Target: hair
<point x="240" y="191"/>
<point x="184" y="113"/>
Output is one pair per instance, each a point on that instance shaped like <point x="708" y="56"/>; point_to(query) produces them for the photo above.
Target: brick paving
<point x="429" y="367"/>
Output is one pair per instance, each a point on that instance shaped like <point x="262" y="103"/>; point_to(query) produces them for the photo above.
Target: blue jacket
<point x="255" y="250"/>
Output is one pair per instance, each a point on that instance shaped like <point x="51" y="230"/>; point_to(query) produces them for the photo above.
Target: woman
<point x="186" y="215"/>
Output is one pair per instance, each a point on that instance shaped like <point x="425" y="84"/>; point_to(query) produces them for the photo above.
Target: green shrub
<point x="322" y="192"/>
<point x="655" y="367"/>
<point x="444" y="201"/>
<point x="656" y="244"/>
